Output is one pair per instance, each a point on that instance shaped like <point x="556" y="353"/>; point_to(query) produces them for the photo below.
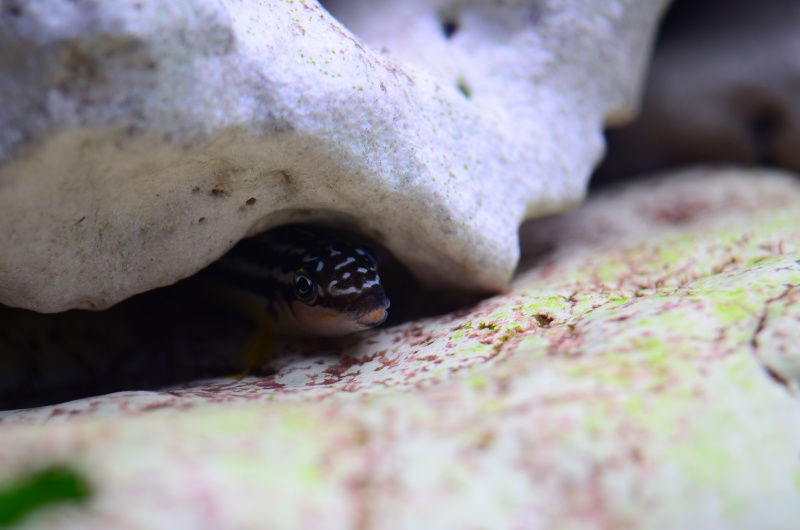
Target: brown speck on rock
<point x="484" y="440"/>
<point x="201" y="220"/>
<point x="544" y="320"/>
<point x="251" y="201"/>
<point x="680" y="213"/>
<point x="217" y="191"/>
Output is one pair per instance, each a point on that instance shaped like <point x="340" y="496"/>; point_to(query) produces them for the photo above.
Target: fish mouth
<point x="370" y="310"/>
<point x="374" y="318"/>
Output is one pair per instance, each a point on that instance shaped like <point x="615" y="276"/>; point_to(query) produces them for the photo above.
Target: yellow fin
<point x="257" y="349"/>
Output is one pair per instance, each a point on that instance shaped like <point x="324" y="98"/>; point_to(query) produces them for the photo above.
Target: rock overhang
<point x="138" y="136"/>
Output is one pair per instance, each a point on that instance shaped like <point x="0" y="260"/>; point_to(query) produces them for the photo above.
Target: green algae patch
<point x="731" y="309"/>
<point x="555" y="305"/>
<point x="478" y="381"/>
<point x="473" y="350"/>
<point x="39" y="491"/>
<point x="533" y="346"/>
<point x="235" y="423"/>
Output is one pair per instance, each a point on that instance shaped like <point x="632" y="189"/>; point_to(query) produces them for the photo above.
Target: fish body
<point x="306" y="282"/>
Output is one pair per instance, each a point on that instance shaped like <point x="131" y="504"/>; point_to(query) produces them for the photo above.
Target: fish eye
<point x="304" y="287"/>
<point x="366" y="251"/>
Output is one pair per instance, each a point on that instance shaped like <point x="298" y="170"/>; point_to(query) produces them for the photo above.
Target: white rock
<point x="140" y="140"/>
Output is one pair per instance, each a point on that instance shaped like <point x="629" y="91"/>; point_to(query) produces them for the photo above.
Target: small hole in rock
<point x="763" y="128"/>
<point x="544" y="320"/>
<point x="13" y="9"/>
<point x="449" y="27"/>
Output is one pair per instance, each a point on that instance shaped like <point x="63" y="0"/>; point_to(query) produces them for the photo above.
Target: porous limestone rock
<point x="620" y="383"/>
<point x="141" y="140"/>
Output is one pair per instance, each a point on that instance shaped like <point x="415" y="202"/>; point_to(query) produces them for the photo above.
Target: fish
<point x="301" y="281"/>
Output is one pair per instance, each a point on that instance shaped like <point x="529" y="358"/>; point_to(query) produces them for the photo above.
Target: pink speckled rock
<point x="619" y="383"/>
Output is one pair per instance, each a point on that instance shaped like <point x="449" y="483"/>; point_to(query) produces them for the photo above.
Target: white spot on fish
<point x="337" y="292"/>
<point x="310" y="258"/>
<point x="362" y="270"/>
<point x="359" y="252"/>
<point x="320" y="266"/>
<point x="348" y="261"/>
<point x="345" y="275"/>
<point x="335" y="252"/>
<point x="333" y="291"/>
<point x="370" y="283"/>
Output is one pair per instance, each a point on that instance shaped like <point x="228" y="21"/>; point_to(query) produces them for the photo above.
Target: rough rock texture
<point x="140" y="140"/>
<point x="722" y="87"/>
<point x="620" y="383"/>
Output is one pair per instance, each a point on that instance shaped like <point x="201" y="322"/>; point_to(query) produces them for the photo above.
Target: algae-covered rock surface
<point x="638" y="373"/>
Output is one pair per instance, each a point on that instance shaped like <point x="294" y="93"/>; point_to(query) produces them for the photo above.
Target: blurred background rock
<point x="723" y="86"/>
